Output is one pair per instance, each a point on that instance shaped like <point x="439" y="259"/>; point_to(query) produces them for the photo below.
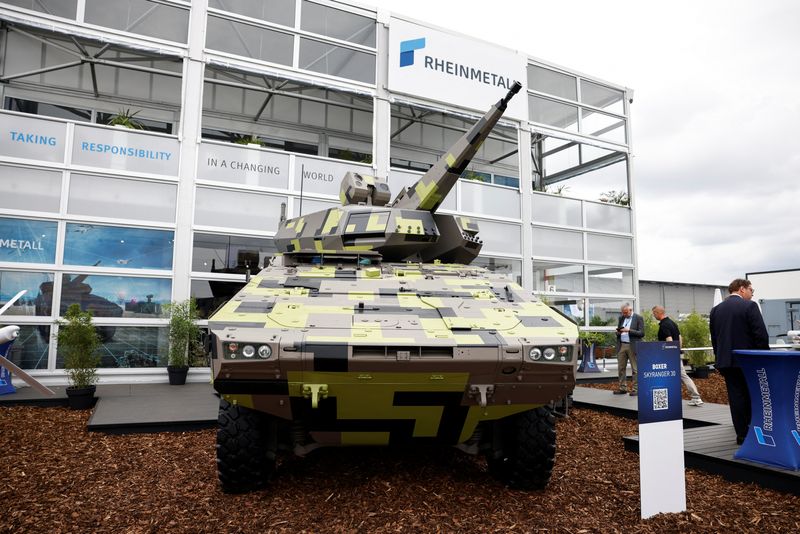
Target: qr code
<point x="660" y="399"/>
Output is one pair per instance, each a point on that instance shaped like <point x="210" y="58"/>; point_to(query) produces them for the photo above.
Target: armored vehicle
<point x="370" y="328"/>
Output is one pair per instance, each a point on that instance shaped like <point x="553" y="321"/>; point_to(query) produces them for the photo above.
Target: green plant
<point x="556" y="189"/>
<point x="184" y="334"/>
<point x="126" y="118"/>
<point x="78" y="342"/>
<point x="609" y="338"/>
<point x="615" y="197"/>
<point x="592" y="338"/>
<point x="247" y="140"/>
<point x="695" y="332"/>
<point x="650" y="326"/>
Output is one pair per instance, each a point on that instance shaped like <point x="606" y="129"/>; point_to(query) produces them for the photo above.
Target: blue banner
<point x="659" y="381"/>
<point x="773" y="380"/>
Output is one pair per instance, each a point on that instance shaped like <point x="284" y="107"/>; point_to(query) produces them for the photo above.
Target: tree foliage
<point x="78" y="341"/>
<point x="696" y="333"/>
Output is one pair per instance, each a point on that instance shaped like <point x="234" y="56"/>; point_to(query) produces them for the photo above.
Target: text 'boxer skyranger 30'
<point x="371" y="329"/>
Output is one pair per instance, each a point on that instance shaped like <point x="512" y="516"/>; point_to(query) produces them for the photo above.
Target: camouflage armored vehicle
<point x="372" y="329"/>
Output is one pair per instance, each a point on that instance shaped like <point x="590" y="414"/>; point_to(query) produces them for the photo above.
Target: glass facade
<point x="124" y="219"/>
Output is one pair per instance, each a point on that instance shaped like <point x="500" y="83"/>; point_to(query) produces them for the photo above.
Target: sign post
<point x="661" y="467"/>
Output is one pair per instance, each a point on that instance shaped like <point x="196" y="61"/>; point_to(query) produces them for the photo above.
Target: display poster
<point x="454" y="69"/>
<point x="27" y="241"/>
<point x="125" y="150"/>
<point x="322" y="176"/>
<point x="112" y="246"/>
<point x="661" y="464"/>
<point x="243" y="165"/>
<point x="32" y="138"/>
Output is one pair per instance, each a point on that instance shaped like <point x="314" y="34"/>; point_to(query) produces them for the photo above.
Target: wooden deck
<point x="711" y="449"/>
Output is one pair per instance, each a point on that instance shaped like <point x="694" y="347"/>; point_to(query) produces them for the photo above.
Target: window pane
<point x="103" y="196"/>
<point x="553" y="113"/>
<point x="116" y="296"/>
<point x="478" y="198"/>
<point x="142" y="17"/>
<point x="508" y="181"/>
<point x="606" y="311"/>
<point x="557" y="277"/>
<point x="230" y="254"/>
<point x="552" y="82"/>
<point x="602" y="97"/>
<point x="249" y="41"/>
<point x="130" y="346"/>
<point x="234" y="209"/>
<point x="336" y="23"/>
<point x="555" y="209"/>
<point x="513" y="268"/>
<point x="30" y="189"/>
<point x="48" y="110"/>
<point x="609" y="248"/>
<point x="211" y="294"/>
<point x="610" y="280"/>
<point x="24" y="241"/>
<point x="337" y="61"/>
<point x="608" y="217"/>
<point x="277" y="11"/>
<point x="501" y="238"/>
<point x="557" y="243"/>
<point x="31" y="348"/>
<point x="57" y="8"/>
<point x="603" y="126"/>
<point x="112" y="246"/>
<point x="32" y="138"/>
<point x="570" y="306"/>
<point x="34" y="302"/>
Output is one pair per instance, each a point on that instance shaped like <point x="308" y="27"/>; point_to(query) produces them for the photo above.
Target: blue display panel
<point x="659" y="381"/>
<point x="31" y="348"/>
<point x="113" y="246"/>
<point x="27" y="241"/>
<point x="130" y="347"/>
<point x="34" y="302"/>
<point x="115" y="296"/>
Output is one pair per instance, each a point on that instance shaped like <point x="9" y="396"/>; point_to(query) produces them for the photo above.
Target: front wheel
<point x="246" y="447"/>
<point x="524" y="449"/>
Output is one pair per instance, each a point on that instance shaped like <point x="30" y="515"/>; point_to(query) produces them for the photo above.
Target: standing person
<point x="630" y="330"/>
<point x="736" y="324"/>
<point x="669" y="331"/>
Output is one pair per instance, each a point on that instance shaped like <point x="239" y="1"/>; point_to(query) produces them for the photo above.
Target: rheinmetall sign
<point x="452" y="69"/>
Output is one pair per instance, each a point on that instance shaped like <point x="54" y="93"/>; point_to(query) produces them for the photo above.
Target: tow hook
<point x="483" y="392"/>
<point x="315" y="392"/>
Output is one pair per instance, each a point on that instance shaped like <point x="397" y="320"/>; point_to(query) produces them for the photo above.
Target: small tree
<point x="78" y="342"/>
<point x="650" y="327"/>
<point x="696" y="333"/>
<point x="184" y="334"/>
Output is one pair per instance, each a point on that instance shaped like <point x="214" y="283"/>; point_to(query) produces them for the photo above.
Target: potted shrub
<point x="249" y="140"/>
<point x="696" y="333"/>
<point x="78" y="342"/>
<point x="184" y="335"/>
<point x="125" y="119"/>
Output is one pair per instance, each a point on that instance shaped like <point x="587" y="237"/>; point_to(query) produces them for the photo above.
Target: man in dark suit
<point x="736" y="324"/>
<point x="630" y="330"/>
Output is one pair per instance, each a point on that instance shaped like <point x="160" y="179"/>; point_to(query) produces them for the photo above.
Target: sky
<point x="715" y="118"/>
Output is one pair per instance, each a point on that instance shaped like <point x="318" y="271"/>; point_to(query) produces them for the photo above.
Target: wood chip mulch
<point x="57" y="477"/>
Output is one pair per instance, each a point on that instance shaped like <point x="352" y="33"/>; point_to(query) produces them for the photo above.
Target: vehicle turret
<point x="408" y="228"/>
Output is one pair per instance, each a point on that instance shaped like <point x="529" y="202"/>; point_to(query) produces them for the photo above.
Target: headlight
<point x="549" y="353"/>
<point x="264" y="351"/>
<point x="248" y="351"/>
<point x="535" y="354"/>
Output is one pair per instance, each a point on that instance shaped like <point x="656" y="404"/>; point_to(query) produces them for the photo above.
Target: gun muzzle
<point x="511" y="92"/>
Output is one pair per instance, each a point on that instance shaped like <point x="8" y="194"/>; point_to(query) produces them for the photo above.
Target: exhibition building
<point x="148" y="149"/>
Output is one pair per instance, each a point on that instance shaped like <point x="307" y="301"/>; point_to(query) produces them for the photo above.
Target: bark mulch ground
<point x="59" y="478"/>
<point x="712" y="389"/>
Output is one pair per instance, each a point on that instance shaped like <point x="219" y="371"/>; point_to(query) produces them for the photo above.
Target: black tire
<point x="524" y="449"/>
<point x="246" y="447"/>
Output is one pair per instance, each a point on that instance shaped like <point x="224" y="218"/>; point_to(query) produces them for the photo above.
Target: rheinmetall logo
<point x="452" y="68"/>
<point x="407" y="50"/>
